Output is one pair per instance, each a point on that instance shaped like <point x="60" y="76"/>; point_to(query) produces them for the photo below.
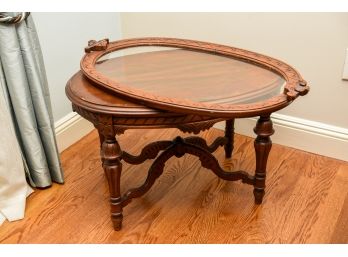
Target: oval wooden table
<point x="176" y="83"/>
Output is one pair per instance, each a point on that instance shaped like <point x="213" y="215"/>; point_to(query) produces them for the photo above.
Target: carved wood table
<point x="176" y="83"/>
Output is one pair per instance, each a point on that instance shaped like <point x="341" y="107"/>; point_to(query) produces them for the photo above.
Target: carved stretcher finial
<point x="94" y="45"/>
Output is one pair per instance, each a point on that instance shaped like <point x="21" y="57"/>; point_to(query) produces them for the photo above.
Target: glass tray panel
<point x="192" y="75"/>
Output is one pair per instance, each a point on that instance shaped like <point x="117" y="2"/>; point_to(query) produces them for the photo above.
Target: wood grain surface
<point x="295" y="86"/>
<point x="208" y="77"/>
<point x="306" y="199"/>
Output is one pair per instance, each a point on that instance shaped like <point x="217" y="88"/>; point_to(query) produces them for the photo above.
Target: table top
<point x="186" y="76"/>
<point x="86" y="94"/>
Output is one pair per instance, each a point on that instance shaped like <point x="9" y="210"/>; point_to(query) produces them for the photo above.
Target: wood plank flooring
<point x="306" y="199"/>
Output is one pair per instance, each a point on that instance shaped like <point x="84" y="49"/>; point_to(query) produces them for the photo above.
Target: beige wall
<point x="314" y="43"/>
<point x="63" y="37"/>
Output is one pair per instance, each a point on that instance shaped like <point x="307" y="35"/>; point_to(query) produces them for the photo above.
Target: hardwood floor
<point x="306" y="199"/>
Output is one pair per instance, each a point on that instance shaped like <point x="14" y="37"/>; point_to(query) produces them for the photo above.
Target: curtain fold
<point x="25" y="95"/>
<point x="13" y="185"/>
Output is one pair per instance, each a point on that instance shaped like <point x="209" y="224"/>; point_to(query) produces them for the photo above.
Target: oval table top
<point x="185" y="76"/>
<point x="87" y="96"/>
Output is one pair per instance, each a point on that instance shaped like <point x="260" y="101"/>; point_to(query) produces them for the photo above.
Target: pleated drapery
<point x="26" y="117"/>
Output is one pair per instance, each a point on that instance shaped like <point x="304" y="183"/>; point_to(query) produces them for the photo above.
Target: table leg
<point x="111" y="157"/>
<point x="101" y="138"/>
<point x="263" y="145"/>
<point x="229" y="134"/>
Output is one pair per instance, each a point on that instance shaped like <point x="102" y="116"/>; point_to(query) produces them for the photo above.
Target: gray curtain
<point x="25" y="90"/>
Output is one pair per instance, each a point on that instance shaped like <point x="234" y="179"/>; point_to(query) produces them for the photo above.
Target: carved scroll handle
<point x="301" y="89"/>
<point x="94" y="45"/>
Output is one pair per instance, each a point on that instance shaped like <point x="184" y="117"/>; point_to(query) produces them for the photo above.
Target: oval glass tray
<point x="189" y="76"/>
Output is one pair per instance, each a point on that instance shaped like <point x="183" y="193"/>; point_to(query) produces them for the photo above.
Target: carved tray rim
<point x="294" y="86"/>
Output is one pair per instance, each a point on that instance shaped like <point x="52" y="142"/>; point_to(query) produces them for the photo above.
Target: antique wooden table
<point x="189" y="85"/>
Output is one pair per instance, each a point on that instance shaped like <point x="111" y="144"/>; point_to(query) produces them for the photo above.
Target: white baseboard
<point x="70" y="129"/>
<point x="299" y="133"/>
<point x="307" y="135"/>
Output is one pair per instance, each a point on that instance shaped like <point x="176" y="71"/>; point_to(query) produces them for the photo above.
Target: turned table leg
<point x="262" y="144"/>
<point x="101" y="138"/>
<point x="229" y="134"/>
<point x="111" y="158"/>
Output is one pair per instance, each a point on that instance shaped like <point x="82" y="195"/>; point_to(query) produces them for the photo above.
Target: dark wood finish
<point x="306" y="199"/>
<point x="101" y="107"/>
<point x="111" y="159"/>
<point x="185" y="74"/>
<point x="198" y="141"/>
<point x="148" y="152"/>
<point x="101" y="139"/>
<point x="294" y="87"/>
<point x="151" y="150"/>
<point x="178" y="147"/>
<point x="262" y="144"/>
<point x="93" y="45"/>
<point x="104" y="103"/>
<point x="229" y="134"/>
